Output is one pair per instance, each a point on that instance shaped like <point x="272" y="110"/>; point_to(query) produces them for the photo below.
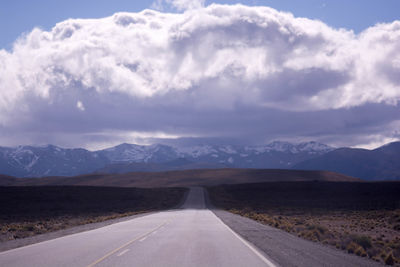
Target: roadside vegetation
<point x="360" y="218"/>
<point x="28" y="211"/>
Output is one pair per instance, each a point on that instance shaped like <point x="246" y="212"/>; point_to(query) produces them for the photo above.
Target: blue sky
<point x="20" y="16"/>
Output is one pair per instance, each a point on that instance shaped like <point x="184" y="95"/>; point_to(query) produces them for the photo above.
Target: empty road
<point x="192" y="236"/>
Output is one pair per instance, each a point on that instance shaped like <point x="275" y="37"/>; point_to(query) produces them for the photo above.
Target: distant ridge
<point x="382" y="163"/>
<point x="203" y="177"/>
<point x="8" y="180"/>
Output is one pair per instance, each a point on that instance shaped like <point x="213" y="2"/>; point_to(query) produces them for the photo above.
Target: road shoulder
<point x="285" y="248"/>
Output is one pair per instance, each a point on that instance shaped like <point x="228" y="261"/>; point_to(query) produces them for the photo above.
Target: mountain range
<point x="50" y="160"/>
<point x="382" y="163"/>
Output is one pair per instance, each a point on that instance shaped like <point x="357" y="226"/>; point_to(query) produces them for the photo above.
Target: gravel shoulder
<point x="286" y="249"/>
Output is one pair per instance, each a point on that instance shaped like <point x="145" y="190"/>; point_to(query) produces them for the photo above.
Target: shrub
<point x="299" y="222"/>
<point x="352" y="247"/>
<point x="317" y="227"/>
<point x="360" y="252"/>
<point x="363" y="241"/>
<point x="28" y="228"/>
<point x="389" y="260"/>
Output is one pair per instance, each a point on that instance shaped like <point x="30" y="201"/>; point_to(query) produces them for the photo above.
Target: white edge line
<point x="70" y="235"/>
<point x="261" y="256"/>
<point x="143" y="239"/>
<point x="123" y="252"/>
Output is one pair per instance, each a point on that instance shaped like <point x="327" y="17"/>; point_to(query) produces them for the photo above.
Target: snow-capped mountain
<point x="274" y="155"/>
<point x="138" y="153"/>
<point x="29" y="161"/>
<point x="36" y="161"/>
<point x="382" y="163"/>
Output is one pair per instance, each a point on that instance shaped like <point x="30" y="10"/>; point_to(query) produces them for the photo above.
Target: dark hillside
<point x="27" y="211"/>
<point x="187" y="178"/>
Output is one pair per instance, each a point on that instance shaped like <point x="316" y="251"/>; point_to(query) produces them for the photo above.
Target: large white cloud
<point x="250" y="71"/>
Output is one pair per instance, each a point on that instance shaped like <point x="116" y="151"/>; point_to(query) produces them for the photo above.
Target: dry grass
<point x="28" y="211"/>
<point x="360" y="218"/>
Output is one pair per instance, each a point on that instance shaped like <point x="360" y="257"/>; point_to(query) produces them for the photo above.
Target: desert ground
<point x="361" y="218"/>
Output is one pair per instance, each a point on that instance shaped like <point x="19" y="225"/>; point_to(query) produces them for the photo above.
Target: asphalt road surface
<point x="191" y="236"/>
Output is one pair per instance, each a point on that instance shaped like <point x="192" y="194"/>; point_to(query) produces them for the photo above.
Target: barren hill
<point x="206" y="177"/>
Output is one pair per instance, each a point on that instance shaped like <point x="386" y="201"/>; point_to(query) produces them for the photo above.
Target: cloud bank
<point x="251" y="73"/>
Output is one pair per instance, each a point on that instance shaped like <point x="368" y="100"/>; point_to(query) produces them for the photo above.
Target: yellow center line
<point x="127" y="244"/>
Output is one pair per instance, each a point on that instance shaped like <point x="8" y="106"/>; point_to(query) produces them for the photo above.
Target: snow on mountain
<point x="281" y="147"/>
<point x="27" y="161"/>
<point x="127" y="153"/>
<point x="286" y="147"/>
<point x="139" y="153"/>
<point x="30" y="161"/>
<point x="314" y="147"/>
<point x="197" y="151"/>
